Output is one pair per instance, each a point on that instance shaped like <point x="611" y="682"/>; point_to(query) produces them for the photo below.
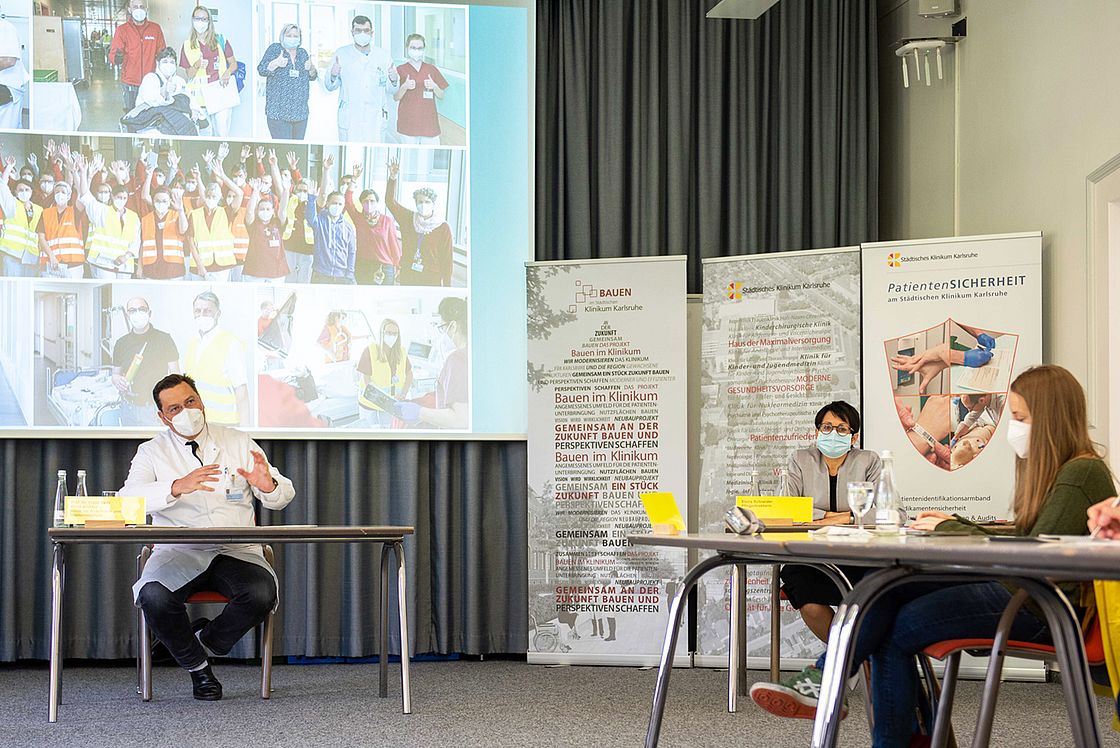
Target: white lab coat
<point x="364" y="101"/>
<point x="15" y="78"/>
<point x="166" y="458"/>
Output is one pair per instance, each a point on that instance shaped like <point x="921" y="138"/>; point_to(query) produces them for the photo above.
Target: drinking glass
<point x="861" y="495"/>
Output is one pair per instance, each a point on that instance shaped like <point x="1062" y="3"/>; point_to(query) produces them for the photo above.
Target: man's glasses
<point x="134" y="309"/>
<point x="176" y="409"/>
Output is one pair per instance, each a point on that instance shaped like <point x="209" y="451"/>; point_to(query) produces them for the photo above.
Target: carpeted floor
<point x="464" y="703"/>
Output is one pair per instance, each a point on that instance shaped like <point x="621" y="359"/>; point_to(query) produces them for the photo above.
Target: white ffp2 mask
<point x="1019" y="437"/>
<point x="189" y="421"/>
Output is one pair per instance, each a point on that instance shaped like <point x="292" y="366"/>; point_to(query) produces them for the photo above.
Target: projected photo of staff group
<point x="272" y="197"/>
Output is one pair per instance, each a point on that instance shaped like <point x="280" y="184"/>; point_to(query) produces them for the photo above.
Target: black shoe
<point x="206" y="685"/>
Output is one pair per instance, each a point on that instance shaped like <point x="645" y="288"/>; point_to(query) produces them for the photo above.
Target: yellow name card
<point x="662" y="510"/>
<point x="793" y="508"/>
<point x="128" y="509"/>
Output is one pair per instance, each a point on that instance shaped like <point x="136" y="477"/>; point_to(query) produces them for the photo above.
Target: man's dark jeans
<point x="252" y="595"/>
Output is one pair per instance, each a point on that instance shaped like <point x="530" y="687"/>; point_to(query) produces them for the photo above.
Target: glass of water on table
<point x="861" y="496"/>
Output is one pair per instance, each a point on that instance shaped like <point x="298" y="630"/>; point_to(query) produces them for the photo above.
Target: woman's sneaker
<point x="795" y="696"/>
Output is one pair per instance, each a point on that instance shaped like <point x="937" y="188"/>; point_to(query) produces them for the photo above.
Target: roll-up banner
<point x="947" y="325"/>
<point x="780" y="339"/>
<point x="607" y="422"/>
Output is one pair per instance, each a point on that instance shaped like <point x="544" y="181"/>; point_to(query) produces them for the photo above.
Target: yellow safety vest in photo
<point x="113" y="240"/>
<point x="209" y="373"/>
<point x="290" y="226"/>
<point x="382" y="378"/>
<point x="197" y="82"/>
<point x="214" y="241"/>
<point x="21" y="238"/>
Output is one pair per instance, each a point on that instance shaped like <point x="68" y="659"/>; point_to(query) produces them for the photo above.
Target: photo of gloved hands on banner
<point x="950" y="383"/>
<point x="951" y="357"/>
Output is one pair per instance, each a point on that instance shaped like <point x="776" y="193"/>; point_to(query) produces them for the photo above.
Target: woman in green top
<point x="1059" y="474"/>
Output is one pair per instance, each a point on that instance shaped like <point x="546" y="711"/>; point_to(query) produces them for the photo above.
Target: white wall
<point x="1038" y="112"/>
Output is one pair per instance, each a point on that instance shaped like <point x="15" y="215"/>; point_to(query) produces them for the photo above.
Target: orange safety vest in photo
<point x="172" y="240"/>
<point x="240" y="236"/>
<point x="63" y="236"/>
<point x="214" y="240"/>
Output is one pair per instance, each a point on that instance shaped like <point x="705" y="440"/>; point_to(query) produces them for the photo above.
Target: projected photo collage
<point x="272" y="197"/>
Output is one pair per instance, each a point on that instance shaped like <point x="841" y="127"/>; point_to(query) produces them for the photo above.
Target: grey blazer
<point x="808" y="475"/>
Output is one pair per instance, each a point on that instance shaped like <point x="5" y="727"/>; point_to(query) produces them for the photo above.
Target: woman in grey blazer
<point x="823" y="472"/>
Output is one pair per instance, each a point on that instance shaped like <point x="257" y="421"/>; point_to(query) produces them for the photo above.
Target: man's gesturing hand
<point x="259" y="477"/>
<point x="196" y="480"/>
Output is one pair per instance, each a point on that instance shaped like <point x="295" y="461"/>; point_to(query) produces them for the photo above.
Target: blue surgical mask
<point x="833" y="445"/>
<point x="290" y="42"/>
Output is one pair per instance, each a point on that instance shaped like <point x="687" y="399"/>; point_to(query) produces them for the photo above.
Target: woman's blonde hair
<point x="1059" y="433"/>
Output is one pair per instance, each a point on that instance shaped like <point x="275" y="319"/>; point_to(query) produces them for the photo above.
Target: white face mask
<point x="264" y="215"/>
<point x="139" y="15"/>
<point x="104" y="197"/>
<point x="425" y="208"/>
<point x="167" y="69"/>
<point x="23" y="195"/>
<point x="239" y="181"/>
<point x="61" y="199"/>
<point x="335" y="210"/>
<point x="120" y="202"/>
<point x="201" y="26"/>
<point x="1019" y="437"/>
<point x="189" y="422"/>
<point x="211" y="203"/>
<point x="191" y="186"/>
<point x="390" y="340"/>
<point x="205" y="324"/>
<point x="161" y="206"/>
<point x="416" y="55"/>
<point x="47" y="187"/>
<point x="363" y="39"/>
<point x="139" y="320"/>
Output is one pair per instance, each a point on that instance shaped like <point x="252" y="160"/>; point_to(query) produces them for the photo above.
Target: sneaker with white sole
<point x="794" y="696"/>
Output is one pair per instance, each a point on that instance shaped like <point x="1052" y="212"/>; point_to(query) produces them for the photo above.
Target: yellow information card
<point x="792" y="508"/>
<point x="662" y="510"/>
<point x="127" y="509"/>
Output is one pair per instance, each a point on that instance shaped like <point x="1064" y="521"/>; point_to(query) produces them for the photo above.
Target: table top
<point x="265" y="534"/>
<point x="1074" y="558"/>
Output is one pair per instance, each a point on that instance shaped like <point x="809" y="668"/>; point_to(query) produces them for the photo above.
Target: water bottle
<point x="81" y="489"/>
<point x="886" y="497"/>
<point x="783" y="483"/>
<point x="756" y="490"/>
<point x="59" y="499"/>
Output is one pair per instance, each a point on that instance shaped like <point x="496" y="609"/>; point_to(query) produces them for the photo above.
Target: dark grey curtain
<point x="662" y="132"/>
<point x="466" y="563"/>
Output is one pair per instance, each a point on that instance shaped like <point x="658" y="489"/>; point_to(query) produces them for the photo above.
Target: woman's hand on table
<point x="928" y="521"/>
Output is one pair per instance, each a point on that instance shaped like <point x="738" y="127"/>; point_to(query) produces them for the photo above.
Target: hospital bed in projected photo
<point x="83" y="397"/>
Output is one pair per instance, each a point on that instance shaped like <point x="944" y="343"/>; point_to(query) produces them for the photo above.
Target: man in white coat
<point x="202" y="475"/>
<point x="368" y="80"/>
